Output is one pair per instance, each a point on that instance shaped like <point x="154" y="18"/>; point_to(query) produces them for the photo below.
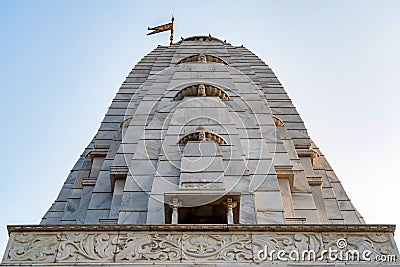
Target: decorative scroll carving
<point x="287" y="242"/>
<point x="202" y="185"/>
<point x="81" y="246"/>
<point x="156" y="246"/>
<point x="202" y="90"/>
<point x="378" y="244"/>
<point x="320" y="243"/>
<point x="32" y="247"/>
<point x="226" y="247"/>
<point x="47" y="248"/>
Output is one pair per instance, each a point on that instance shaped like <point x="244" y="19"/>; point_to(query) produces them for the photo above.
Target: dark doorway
<point x="212" y="213"/>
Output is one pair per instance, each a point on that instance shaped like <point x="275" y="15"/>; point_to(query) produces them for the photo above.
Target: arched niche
<point x="202" y="58"/>
<point x="203" y="38"/>
<point x="202" y="136"/>
<point x="202" y="90"/>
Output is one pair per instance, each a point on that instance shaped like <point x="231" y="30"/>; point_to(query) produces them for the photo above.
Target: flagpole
<point x="171" y="37"/>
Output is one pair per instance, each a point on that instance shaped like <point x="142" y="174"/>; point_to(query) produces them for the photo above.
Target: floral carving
<point x="149" y="247"/>
<point x="377" y="244"/>
<point x="204" y="246"/>
<point x="36" y="247"/>
<point x="83" y="246"/>
<point x="287" y="242"/>
<point x="232" y="247"/>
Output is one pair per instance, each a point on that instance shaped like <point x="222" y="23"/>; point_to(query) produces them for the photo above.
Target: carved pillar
<point x="230" y="211"/>
<point x="174" y="218"/>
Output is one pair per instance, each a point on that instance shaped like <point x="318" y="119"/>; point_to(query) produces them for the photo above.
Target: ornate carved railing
<point x="169" y="244"/>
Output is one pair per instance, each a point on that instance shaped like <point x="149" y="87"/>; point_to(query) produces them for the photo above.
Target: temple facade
<point x="202" y="158"/>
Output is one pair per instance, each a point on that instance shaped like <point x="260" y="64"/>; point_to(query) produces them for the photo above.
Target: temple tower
<point x="201" y="157"/>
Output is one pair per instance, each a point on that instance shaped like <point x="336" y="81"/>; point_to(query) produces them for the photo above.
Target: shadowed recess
<point x="202" y="136"/>
<point x="202" y="90"/>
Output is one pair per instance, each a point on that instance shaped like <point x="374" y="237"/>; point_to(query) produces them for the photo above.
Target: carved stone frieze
<point x="149" y="246"/>
<point x="193" y="243"/>
<point x="86" y="246"/>
<point x="377" y="243"/>
<point x="217" y="246"/>
<point x="31" y="247"/>
<point x="287" y="242"/>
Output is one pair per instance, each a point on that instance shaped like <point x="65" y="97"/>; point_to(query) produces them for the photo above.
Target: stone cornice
<point x="386" y="228"/>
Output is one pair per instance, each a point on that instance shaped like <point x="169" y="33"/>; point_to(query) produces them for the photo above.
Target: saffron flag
<point x="161" y="28"/>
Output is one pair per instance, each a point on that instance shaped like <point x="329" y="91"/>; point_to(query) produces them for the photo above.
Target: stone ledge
<point x="201" y="264"/>
<point x="387" y="228"/>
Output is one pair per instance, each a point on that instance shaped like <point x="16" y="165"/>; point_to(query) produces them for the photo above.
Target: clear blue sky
<point x="63" y="61"/>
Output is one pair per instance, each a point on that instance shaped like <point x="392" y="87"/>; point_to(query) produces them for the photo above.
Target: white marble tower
<point x="201" y="158"/>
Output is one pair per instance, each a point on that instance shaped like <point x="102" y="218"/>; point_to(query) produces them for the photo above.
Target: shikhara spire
<point x="201" y="145"/>
<point x="144" y="153"/>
